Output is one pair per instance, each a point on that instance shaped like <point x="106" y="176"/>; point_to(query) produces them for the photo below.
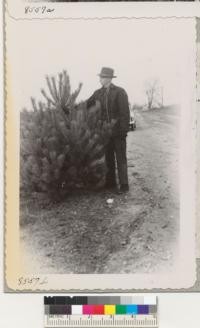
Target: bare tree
<point x="155" y="93"/>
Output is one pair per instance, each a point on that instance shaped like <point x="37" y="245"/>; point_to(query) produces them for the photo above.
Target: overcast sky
<point x="137" y="49"/>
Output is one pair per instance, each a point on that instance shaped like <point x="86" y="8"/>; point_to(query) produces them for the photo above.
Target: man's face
<point x="105" y="81"/>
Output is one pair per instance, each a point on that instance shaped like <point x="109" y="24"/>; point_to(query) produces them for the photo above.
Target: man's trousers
<point x="115" y="152"/>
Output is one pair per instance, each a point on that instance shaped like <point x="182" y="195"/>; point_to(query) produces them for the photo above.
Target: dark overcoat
<point x="115" y="107"/>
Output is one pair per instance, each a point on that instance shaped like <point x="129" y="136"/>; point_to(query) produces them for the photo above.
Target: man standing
<point x="114" y="105"/>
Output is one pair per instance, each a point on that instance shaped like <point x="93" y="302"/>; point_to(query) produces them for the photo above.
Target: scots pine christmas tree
<point x="62" y="142"/>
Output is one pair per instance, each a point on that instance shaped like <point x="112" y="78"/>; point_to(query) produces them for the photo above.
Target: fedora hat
<point x="107" y="72"/>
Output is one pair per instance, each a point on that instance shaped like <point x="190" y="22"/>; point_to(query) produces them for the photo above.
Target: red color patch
<point x="98" y="309"/>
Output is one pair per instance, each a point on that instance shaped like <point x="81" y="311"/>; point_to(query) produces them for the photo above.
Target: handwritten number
<point x="38" y="10"/>
<point x="32" y="281"/>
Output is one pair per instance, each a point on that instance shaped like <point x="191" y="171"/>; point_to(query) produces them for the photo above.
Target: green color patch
<point x="120" y="309"/>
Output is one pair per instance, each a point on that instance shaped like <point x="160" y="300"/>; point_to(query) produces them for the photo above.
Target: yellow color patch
<point x="109" y="309"/>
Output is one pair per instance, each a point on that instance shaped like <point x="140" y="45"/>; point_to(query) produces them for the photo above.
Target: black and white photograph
<point x="104" y="123"/>
<point x="198" y="132"/>
<point x="62" y="1"/>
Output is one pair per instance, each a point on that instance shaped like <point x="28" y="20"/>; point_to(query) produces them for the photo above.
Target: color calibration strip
<point x="107" y="309"/>
<point x="101" y="311"/>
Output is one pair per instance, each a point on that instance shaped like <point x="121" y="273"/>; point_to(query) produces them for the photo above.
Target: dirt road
<point x="137" y="233"/>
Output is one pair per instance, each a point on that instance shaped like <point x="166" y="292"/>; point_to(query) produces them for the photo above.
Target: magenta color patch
<point x="87" y="309"/>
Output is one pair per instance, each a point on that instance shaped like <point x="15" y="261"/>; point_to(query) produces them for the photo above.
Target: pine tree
<point x="62" y="142"/>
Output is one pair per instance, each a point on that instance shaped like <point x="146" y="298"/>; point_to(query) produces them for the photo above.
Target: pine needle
<point x="47" y="97"/>
<point x="49" y="86"/>
<point x="56" y="97"/>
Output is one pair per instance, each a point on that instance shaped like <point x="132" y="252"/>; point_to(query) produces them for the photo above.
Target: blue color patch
<point x="143" y="309"/>
<point x="132" y="309"/>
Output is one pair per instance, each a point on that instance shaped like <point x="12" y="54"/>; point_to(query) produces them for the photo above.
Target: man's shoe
<point x="124" y="188"/>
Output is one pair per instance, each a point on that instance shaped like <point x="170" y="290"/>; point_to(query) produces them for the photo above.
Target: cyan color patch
<point x="131" y="309"/>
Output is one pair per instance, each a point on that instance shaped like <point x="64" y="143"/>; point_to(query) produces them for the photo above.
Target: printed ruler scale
<point x="103" y="321"/>
<point x="100" y="311"/>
